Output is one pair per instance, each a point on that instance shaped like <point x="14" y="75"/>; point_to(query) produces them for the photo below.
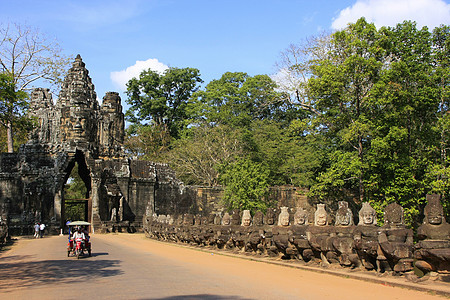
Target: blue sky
<point x="117" y="39"/>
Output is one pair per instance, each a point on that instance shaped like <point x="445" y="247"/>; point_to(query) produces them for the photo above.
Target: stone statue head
<point x="393" y="215"/>
<point x="169" y="220"/>
<point x="434" y="212"/>
<point x="210" y="219"/>
<point x="300" y="217"/>
<point x="270" y="217"/>
<point x="258" y="218"/>
<point x="344" y="215"/>
<point x="226" y="220"/>
<point x="283" y="217"/>
<point x="162" y="219"/>
<point x="246" y="218"/>
<point x="217" y="219"/>
<point x="320" y="216"/>
<point x="198" y="219"/>
<point x="179" y="220"/>
<point x="235" y="217"/>
<point x="367" y="215"/>
<point x="188" y="219"/>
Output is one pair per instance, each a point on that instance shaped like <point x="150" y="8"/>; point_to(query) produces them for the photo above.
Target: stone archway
<point x="85" y="201"/>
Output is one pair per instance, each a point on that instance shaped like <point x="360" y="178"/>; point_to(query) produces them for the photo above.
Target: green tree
<point x="13" y="107"/>
<point x="75" y="187"/>
<point x="291" y="155"/>
<point x="341" y="86"/>
<point x="237" y="99"/>
<point x="408" y="102"/>
<point x="246" y="185"/>
<point x="162" y="99"/>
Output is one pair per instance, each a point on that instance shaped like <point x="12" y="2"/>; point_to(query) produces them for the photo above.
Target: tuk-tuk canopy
<point x="78" y="223"/>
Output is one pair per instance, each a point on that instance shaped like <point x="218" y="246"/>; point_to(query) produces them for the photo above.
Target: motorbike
<point x="80" y="246"/>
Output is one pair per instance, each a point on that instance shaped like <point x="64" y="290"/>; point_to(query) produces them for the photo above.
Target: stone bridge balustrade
<point x="387" y="249"/>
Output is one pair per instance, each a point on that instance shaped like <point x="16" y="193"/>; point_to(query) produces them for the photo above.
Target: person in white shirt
<point x="78" y="235"/>
<point x="41" y="229"/>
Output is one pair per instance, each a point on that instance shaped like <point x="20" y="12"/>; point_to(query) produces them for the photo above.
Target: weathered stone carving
<point x="433" y="249"/>
<point x="343" y="243"/>
<point x="283" y="217"/>
<point x="396" y="242"/>
<point x="246" y="218"/>
<point x="258" y="219"/>
<point x="300" y="217"/>
<point x="319" y="236"/>
<point x="366" y="236"/>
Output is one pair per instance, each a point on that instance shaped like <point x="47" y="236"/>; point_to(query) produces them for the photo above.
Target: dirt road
<point x="134" y="267"/>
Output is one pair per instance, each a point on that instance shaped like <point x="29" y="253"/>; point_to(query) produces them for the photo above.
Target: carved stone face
<point x="344" y="220"/>
<point x="246" y="218"/>
<point x="270" y="217"/>
<point x="368" y="218"/>
<point x="321" y="219"/>
<point x="367" y="215"/>
<point x="284" y="220"/>
<point x="226" y="220"/>
<point x="344" y="216"/>
<point x="435" y="216"/>
<point x="301" y="217"/>
<point x="320" y="216"/>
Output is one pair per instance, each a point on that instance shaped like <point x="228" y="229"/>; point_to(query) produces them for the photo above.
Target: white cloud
<point x="120" y="78"/>
<point x="430" y="13"/>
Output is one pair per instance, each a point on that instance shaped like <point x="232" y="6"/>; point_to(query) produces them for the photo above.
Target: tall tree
<point x="246" y="185"/>
<point x="162" y="99"/>
<point x="197" y="157"/>
<point x="237" y="99"/>
<point x="341" y="86"/>
<point x="13" y="106"/>
<point x="27" y="56"/>
<point x="408" y="103"/>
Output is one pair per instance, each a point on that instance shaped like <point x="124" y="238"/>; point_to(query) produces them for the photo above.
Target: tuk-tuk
<point x="80" y="246"/>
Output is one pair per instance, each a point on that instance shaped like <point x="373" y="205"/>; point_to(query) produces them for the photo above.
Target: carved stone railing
<point x="387" y="249"/>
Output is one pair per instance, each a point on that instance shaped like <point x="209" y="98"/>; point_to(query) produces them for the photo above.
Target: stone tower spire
<point x="78" y="107"/>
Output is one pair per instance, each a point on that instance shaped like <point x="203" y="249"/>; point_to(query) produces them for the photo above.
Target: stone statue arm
<point x="421" y="234"/>
<point x="385" y="245"/>
<point x="312" y="240"/>
<point x="357" y="237"/>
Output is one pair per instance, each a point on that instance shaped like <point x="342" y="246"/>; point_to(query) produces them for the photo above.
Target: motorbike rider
<point x="79" y="236"/>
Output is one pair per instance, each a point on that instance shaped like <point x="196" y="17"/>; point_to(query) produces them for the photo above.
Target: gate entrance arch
<point x="75" y="130"/>
<point x="81" y="207"/>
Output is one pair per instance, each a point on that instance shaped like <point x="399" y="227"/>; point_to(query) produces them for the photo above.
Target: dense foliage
<point x="364" y="119"/>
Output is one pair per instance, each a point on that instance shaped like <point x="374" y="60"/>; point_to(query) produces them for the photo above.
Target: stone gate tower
<point x="75" y="130"/>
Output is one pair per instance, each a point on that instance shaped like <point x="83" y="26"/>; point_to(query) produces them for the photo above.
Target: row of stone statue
<point x="389" y="248"/>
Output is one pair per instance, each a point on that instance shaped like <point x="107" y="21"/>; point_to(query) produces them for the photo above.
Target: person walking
<point x="41" y="228"/>
<point x="37" y="227"/>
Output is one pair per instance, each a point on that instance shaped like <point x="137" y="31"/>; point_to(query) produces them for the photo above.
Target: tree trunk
<point x="9" y="132"/>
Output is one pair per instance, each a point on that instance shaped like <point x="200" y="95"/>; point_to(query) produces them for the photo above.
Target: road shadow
<point x="199" y="296"/>
<point x="27" y="274"/>
<point x="94" y="254"/>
